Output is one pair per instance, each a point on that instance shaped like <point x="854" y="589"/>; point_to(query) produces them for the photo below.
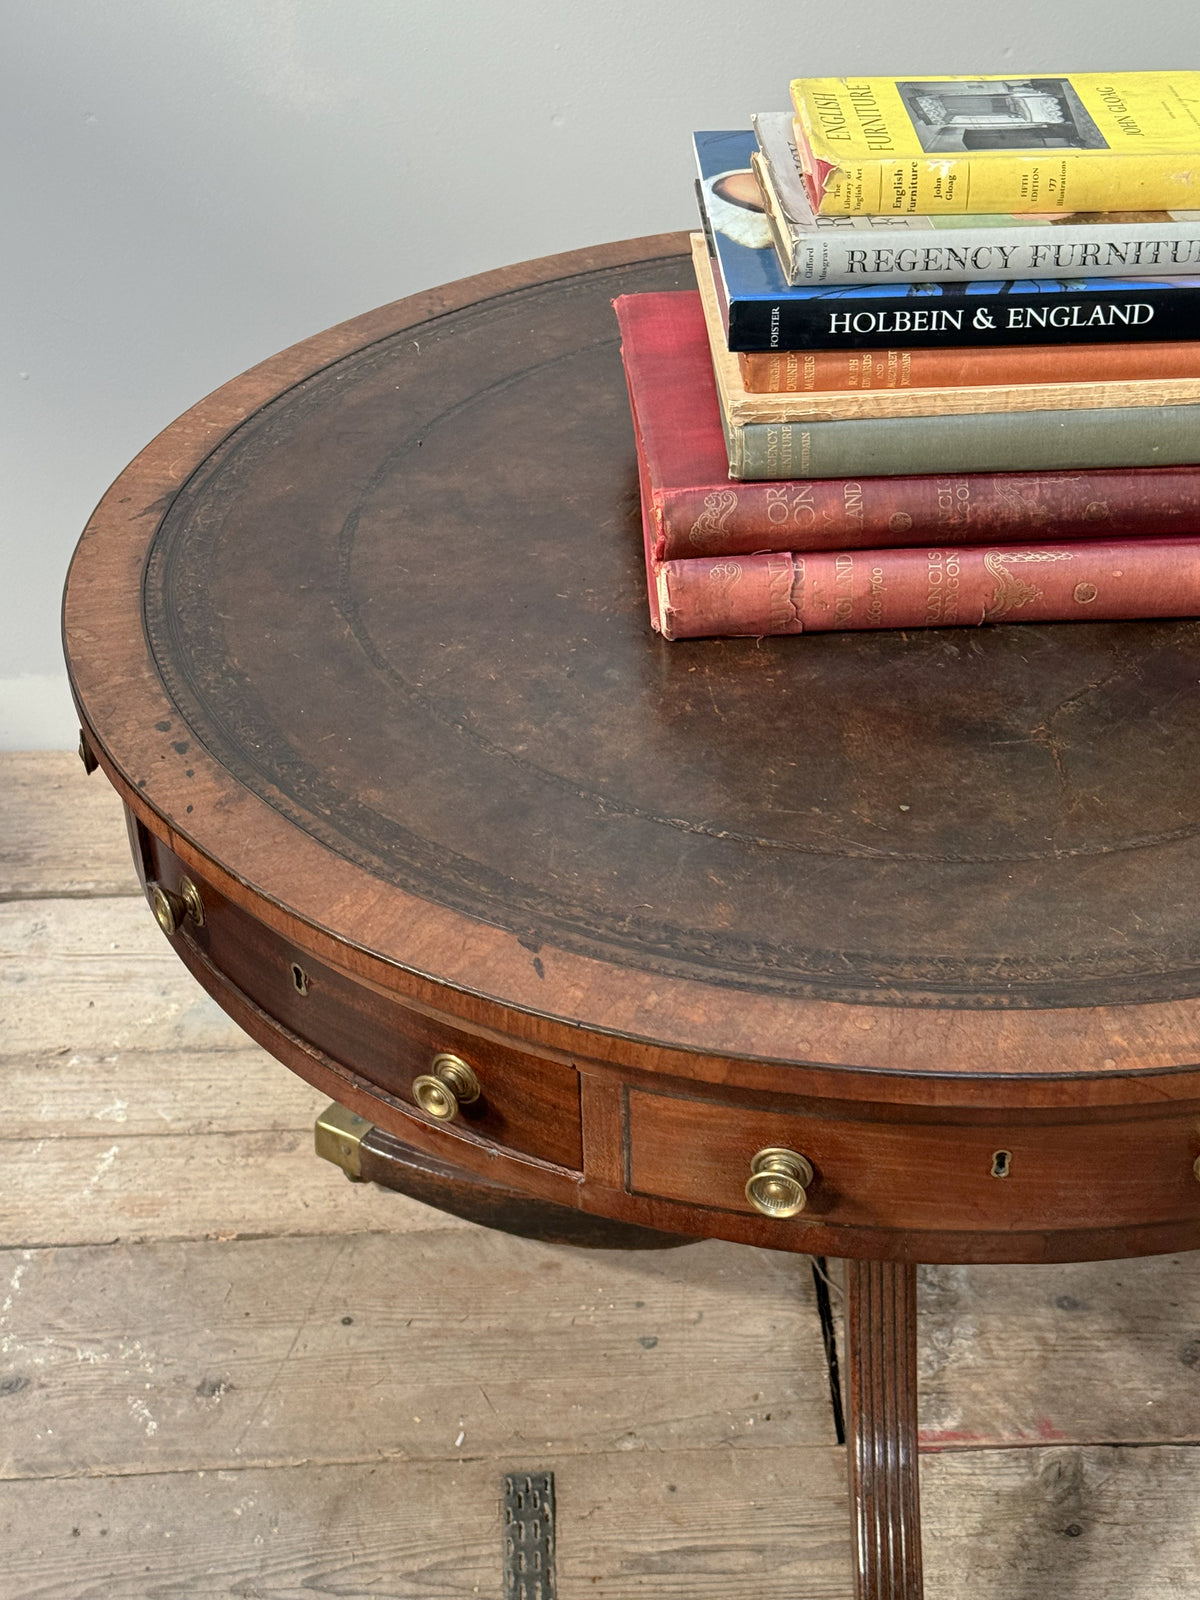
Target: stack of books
<point x="909" y="393"/>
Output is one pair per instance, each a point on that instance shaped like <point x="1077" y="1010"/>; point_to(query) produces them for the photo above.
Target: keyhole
<point x="299" y="979"/>
<point x="1001" y="1163"/>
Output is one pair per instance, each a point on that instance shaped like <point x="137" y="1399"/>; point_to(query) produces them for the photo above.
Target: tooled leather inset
<point x="899" y="771"/>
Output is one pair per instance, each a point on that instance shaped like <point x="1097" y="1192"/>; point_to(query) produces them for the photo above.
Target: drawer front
<point x="526" y="1104"/>
<point x="927" y="1177"/>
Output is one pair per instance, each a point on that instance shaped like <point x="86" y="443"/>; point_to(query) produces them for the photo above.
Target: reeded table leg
<point x="881" y="1374"/>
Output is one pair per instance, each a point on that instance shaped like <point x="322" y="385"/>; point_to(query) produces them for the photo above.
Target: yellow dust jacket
<point x="1093" y="141"/>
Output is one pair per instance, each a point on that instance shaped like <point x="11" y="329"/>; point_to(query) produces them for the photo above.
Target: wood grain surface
<point x="706" y="1500"/>
<point x="388" y="680"/>
<point x="360" y="643"/>
<point x="218" y="1354"/>
<point x="360" y="640"/>
<point x="59" y="838"/>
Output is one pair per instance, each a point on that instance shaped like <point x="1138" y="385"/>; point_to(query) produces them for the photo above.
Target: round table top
<point x="368" y="631"/>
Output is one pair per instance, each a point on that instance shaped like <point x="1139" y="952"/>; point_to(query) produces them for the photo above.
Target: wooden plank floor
<point x="225" y="1371"/>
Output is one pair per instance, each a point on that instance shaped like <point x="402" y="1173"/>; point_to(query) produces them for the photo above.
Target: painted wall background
<point x="190" y="185"/>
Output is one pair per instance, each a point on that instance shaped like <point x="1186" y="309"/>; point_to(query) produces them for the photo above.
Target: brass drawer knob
<point x="778" y="1182"/>
<point x="170" y="909"/>
<point x="448" y="1084"/>
<point x="192" y="903"/>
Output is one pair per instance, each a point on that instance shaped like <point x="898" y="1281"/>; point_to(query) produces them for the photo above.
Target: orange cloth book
<point x="831" y="371"/>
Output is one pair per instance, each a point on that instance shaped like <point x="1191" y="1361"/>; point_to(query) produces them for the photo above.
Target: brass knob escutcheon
<point x="169" y="909"/>
<point x="778" y="1182"/>
<point x="448" y="1084"/>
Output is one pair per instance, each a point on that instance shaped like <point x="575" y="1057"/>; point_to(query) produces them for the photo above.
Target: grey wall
<point x="189" y="185"/>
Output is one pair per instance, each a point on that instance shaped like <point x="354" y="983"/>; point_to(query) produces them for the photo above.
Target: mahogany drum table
<point x="906" y="921"/>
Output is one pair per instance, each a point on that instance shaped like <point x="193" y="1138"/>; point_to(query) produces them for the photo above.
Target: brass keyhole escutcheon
<point x="778" y="1182"/>
<point x="449" y="1084"/>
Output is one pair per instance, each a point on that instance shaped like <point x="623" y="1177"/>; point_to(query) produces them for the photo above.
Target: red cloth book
<point x="696" y="510"/>
<point x="1083" y="580"/>
<point x="776" y="592"/>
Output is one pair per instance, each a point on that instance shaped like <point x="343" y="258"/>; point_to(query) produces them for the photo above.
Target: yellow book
<point x="1117" y="141"/>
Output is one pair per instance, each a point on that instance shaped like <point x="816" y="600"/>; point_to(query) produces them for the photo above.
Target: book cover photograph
<point x="1084" y="141"/>
<point x="762" y="311"/>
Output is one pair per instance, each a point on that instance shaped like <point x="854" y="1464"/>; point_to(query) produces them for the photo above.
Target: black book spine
<point x="954" y="318"/>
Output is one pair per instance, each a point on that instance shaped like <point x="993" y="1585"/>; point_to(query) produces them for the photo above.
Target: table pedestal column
<point x="881" y="1373"/>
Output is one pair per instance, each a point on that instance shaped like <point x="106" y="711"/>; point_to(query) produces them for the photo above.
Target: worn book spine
<point x="834" y="371"/>
<point x="1009" y="441"/>
<point x="727" y="518"/>
<point x="696" y="509"/>
<point x="746" y="406"/>
<point x="1127" y="141"/>
<point x="832" y="590"/>
<point x="904" y="249"/>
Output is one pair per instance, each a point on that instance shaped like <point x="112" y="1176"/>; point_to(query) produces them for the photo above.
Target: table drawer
<point x="924" y="1176"/>
<point x="526" y="1103"/>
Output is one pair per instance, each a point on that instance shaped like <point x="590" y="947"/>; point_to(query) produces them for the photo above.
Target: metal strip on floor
<point x="529" y="1536"/>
